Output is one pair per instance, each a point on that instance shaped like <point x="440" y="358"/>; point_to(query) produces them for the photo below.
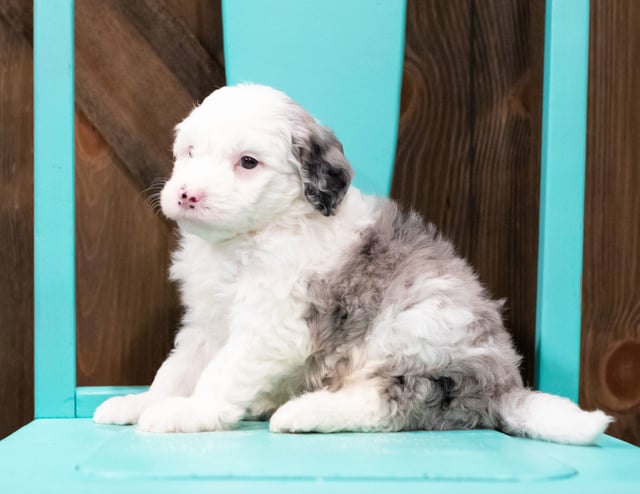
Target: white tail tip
<point x="551" y="418"/>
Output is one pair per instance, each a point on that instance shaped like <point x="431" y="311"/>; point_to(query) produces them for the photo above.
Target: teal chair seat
<point x="343" y="61"/>
<point x="76" y="455"/>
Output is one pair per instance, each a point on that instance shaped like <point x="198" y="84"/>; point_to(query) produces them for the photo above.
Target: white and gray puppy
<point x="323" y="308"/>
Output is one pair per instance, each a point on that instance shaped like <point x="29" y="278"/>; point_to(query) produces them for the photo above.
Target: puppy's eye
<point x="248" y="162"/>
<point x="190" y="151"/>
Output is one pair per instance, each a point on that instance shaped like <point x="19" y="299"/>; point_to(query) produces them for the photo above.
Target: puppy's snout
<point x="188" y="199"/>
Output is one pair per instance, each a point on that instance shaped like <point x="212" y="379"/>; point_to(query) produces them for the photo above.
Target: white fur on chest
<point x="255" y="283"/>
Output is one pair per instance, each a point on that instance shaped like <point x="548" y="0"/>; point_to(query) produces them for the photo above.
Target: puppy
<point x="317" y="306"/>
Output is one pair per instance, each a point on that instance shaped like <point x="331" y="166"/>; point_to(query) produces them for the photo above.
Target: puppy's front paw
<point x="122" y="410"/>
<point x="179" y="414"/>
<point x="295" y="416"/>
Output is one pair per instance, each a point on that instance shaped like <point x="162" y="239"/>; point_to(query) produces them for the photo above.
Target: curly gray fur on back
<point x="393" y="268"/>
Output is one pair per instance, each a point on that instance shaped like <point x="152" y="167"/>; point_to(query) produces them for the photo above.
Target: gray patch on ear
<point x="326" y="173"/>
<point x="395" y="265"/>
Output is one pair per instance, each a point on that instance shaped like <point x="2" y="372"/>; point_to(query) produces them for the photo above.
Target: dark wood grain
<point x="204" y="19"/>
<point x="18" y="17"/>
<point x="176" y="44"/>
<point x="16" y="228"/>
<point x="610" y="373"/>
<point x="127" y="312"/>
<point x="467" y="154"/>
<point x="131" y="91"/>
<point x="139" y="70"/>
<point x="132" y="83"/>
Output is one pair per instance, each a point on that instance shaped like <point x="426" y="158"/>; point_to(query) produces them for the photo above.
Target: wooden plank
<point x="125" y="89"/>
<point x="176" y="45"/>
<point x="469" y="137"/>
<point x="611" y="279"/>
<point x="127" y="311"/>
<point x="146" y="78"/>
<point x="204" y="19"/>
<point x="16" y="228"/>
<point x="18" y="16"/>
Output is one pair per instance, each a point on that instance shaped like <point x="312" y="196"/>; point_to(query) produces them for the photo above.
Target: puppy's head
<point x="249" y="155"/>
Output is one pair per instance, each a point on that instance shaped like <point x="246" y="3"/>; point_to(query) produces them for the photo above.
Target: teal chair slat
<point x="88" y="398"/>
<point x="562" y="197"/>
<point x="342" y="60"/>
<point x="77" y="455"/>
<point x="54" y="222"/>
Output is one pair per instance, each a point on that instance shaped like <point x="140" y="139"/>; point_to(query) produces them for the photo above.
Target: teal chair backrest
<point x="343" y="61"/>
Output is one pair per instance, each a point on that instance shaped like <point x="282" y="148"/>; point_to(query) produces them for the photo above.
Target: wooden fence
<point x="467" y="159"/>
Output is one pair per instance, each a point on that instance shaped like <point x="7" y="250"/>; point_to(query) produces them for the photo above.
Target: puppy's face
<point x="247" y="156"/>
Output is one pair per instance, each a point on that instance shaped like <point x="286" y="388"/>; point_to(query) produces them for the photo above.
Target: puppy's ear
<point x="326" y="173"/>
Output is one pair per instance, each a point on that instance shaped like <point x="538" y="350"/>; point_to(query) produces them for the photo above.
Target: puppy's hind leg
<point x="357" y="406"/>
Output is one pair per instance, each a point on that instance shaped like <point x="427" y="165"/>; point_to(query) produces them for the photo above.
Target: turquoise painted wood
<point x="76" y="455"/>
<point x="562" y="197"/>
<point x="88" y="398"/>
<point x="382" y="457"/>
<point x="54" y="222"/>
<point x="342" y="60"/>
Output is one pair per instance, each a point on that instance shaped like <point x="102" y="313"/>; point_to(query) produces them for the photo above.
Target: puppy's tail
<point x="551" y="418"/>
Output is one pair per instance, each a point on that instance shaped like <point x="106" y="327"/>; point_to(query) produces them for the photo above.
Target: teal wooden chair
<point x="62" y="449"/>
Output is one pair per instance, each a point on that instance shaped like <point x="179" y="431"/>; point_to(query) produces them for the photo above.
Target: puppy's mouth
<point x="195" y="215"/>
